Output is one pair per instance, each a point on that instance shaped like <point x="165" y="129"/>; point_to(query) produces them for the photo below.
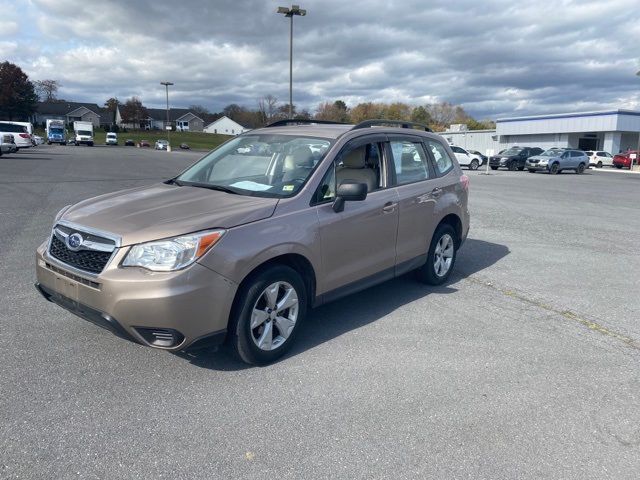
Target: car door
<point x="418" y="192"/>
<point x="358" y="244"/>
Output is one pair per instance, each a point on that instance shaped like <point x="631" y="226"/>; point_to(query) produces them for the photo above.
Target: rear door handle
<point x="436" y="192"/>
<point x="389" y="207"/>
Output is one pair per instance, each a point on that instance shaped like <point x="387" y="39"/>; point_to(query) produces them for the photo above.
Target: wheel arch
<point x="456" y="223"/>
<point x="295" y="261"/>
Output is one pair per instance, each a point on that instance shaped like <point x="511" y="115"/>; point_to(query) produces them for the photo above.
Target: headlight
<point x="173" y="253"/>
<point x="544" y="161"/>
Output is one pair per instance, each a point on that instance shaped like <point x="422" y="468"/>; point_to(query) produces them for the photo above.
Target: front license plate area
<point x="67" y="288"/>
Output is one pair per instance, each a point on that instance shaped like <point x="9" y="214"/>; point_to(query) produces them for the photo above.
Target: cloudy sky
<point x="496" y="58"/>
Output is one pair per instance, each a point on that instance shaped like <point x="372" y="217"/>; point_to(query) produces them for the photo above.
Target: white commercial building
<point x="612" y="131"/>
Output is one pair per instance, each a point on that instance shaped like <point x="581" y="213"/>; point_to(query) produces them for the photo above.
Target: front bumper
<point x="536" y="166"/>
<point x="134" y="303"/>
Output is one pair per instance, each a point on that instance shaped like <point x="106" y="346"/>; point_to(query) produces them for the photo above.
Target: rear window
<point x="10" y="127"/>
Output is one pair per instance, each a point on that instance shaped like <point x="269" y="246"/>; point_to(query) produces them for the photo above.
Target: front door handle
<point x="389" y="207"/>
<point x="436" y="192"/>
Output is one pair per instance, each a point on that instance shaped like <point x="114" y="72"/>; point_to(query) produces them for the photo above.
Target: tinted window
<point x="576" y="154"/>
<point x="410" y="162"/>
<point x="440" y="155"/>
<point x="457" y="149"/>
<point x="10" y="127"/>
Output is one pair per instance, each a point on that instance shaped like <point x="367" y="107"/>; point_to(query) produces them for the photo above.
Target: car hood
<point x="161" y="211"/>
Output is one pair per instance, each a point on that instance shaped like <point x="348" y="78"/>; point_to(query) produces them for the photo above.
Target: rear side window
<point x="443" y="162"/>
<point x="410" y="162"/>
<point x="457" y="149"/>
<point x="576" y="154"/>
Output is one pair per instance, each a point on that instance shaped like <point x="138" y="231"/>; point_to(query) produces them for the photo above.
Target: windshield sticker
<point x="287" y="188"/>
<point x="249" y="185"/>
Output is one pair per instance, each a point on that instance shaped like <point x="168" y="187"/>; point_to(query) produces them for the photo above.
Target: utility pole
<point x="168" y="124"/>
<point x="291" y="12"/>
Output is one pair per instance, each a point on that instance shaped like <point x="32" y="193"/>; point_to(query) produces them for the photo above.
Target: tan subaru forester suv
<point x="242" y="244"/>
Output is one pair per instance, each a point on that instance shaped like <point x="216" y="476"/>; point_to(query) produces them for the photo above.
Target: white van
<point x="20" y="133"/>
<point x="112" y="139"/>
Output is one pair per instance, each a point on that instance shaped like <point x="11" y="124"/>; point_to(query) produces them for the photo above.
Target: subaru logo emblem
<point x="74" y="242"/>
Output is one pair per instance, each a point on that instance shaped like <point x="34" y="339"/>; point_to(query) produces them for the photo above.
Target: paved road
<point x="525" y="366"/>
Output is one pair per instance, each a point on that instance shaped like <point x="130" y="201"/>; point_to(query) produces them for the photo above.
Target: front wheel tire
<point x="269" y="310"/>
<point x="441" y="257"/>
<point x="494" y="168"/>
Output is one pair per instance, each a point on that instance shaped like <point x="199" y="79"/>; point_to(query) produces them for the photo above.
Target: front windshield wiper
<point x="210" y="186"/>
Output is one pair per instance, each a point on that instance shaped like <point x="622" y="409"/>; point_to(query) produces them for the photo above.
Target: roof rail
<point x="400" y="123"/>
<point x="302" y="121"/>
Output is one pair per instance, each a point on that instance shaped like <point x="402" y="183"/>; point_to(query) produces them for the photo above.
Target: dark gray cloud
<point x="496" y="58"/>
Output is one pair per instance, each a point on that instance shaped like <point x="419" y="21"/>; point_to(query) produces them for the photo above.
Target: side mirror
<point x="349" y="191"/>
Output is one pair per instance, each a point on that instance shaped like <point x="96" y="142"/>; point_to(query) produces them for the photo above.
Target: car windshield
<point x="551" y="153"/>
<point x="84" y="132"/>
<point x="55" y="130"/>
<point x="266" y="165"/>
<point x="512" y="151"/>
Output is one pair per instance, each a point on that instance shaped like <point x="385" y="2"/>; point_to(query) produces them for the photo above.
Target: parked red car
<point x="145" y="143"/>
<point x="624" y="159"/>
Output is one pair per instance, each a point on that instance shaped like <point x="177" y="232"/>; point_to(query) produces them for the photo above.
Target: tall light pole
<point x="166" y="84"/>
<point x="291" y="12"/>
<point x="638" y="149"/>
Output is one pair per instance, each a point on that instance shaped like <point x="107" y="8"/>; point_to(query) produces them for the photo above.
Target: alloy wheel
<point x="443" y="255"/>
<point x="274" y="316"/>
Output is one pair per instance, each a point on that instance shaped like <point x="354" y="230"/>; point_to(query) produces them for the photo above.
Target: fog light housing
<point x="161" y="337"/>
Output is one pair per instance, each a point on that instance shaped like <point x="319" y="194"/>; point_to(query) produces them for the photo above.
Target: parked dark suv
<point x="513" y="158"/>
<point x="271" y="223"/>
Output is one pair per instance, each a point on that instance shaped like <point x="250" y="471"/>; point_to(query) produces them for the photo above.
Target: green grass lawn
<point x="195" y="140"/>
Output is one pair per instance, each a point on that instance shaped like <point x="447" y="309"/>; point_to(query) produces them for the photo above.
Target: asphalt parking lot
<point x="526" y="365"/>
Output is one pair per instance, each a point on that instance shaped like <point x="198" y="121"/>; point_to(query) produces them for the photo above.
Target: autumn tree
<point x="334" y="112"/>
<point x="47" y="89"/>
<point x="133" y="112"/>
<point x="17" y="95"/>
<point x="366" y="111"/>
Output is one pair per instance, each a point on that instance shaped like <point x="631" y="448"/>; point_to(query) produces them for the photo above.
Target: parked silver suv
<point x="241" y="244"/>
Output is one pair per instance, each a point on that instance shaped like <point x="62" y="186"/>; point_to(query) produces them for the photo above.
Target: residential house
<point x="182" y="119"/>
<point x="225" y="126"/>
<point x="71" y="112"/>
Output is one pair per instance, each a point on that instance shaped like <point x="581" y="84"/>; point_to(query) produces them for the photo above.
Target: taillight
<point x="24" y="135"/>
<point x="464" y="180"/>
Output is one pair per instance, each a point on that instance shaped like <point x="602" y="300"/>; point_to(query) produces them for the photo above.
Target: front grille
<point x="87" y="260"/>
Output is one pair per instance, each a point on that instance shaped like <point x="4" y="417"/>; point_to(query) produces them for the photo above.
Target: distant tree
<point x="47" y="89"/>
<point x="18" y="98"/>
<point x="233" y="111"/>
<point x="112" y="106"/>
<point x="267" y="107"/>
<point x="397" y="111"/>
<point x="303" y="115"/>
<point x="327" y="111"/>
<point x="133" y="112"/>
<point x="366" y="111"/>
<point x="420" y="115"/>
<point x="199" y="110"/>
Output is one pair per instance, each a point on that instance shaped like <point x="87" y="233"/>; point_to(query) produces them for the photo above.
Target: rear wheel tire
<point x="494" y="168"/>
<point x="599" y="165"/>
<point x="521" y="169"/>
<point x="441" y="257"/>
<point x="531" y="170"/>
<point x="267" y="317"/>
<point x="474" y="165"/>
<point x="580" y="169"/>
